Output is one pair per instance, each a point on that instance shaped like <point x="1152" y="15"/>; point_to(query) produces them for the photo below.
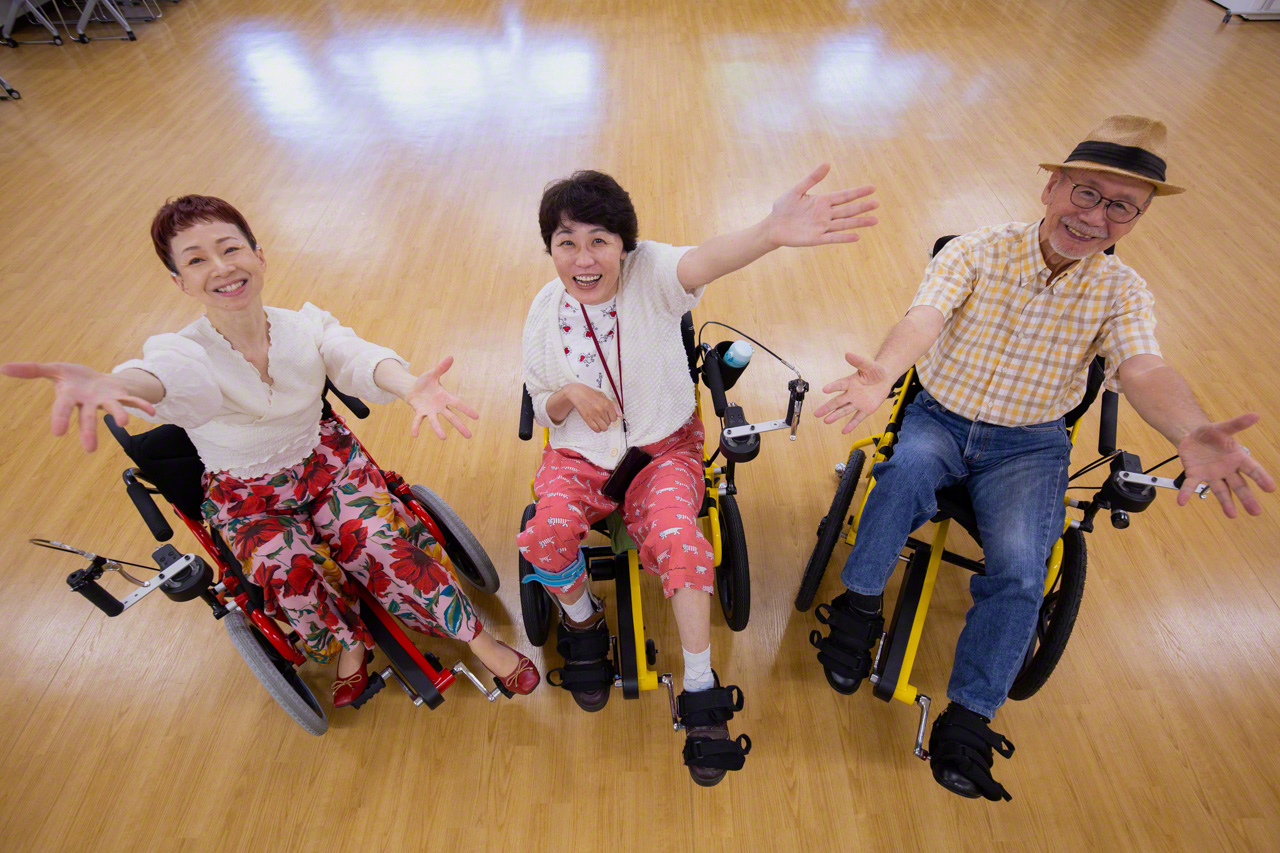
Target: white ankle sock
<point x="582" y="609"/>
<point x="697" y="670"/>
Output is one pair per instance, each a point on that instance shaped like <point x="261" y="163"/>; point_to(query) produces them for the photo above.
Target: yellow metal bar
<point x="713" y="531"/>
<point x="905" y="692"/>
<point x="647" y="678"/>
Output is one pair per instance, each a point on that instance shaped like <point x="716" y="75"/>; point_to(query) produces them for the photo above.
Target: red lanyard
<point x="604" y="362"/>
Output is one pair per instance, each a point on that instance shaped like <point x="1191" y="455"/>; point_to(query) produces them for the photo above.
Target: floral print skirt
<point x="302" y="533"/>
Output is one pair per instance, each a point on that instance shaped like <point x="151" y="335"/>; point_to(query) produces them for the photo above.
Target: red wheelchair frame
<point x="225" y="588"/>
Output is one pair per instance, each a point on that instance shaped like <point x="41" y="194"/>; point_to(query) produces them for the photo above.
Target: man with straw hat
<point x="1002" y="332"/>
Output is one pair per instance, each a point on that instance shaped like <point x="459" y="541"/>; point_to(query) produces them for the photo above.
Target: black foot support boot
<point x="960" y="753"/>
<point x="587" y="672"/>
<point x="845" y="653"/>
<point x="709" y="753"/>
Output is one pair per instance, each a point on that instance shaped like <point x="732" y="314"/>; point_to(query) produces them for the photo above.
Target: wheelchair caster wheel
<point x="82" y="38"/>
<point x="650" y="652"/>
<point x="57" y="40"/>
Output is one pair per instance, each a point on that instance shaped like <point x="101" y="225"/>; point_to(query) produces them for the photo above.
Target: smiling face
<point x="217" y="266"/>
<point x="1070" y="232"/>
<point x="588" y="259"/>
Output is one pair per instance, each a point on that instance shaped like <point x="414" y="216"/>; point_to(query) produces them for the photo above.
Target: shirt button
<point x="613" y="451"/>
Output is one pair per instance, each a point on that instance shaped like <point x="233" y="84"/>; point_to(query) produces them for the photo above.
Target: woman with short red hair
<point x="295" y="498"/>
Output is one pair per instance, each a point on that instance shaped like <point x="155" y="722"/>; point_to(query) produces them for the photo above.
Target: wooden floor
<point x="390" y="155"/>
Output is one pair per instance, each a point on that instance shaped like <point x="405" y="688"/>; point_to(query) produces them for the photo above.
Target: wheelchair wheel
<point x="733" y="575"/>
<point x="275" y="674"/>
<point x="465" y="552"/>
<point x="1057" y="617"/>
<point x="536" y="605"/>
<point x="829" y="530"/>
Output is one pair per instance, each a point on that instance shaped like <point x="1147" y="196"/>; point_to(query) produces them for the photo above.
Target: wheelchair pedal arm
<point x="460" y="668"/>
<point x="923" y="701"/>
<point x="85" y="580"/>
<point x="666" y="679"/>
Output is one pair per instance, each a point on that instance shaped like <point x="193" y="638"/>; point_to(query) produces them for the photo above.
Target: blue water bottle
<point x="734" y="357"/>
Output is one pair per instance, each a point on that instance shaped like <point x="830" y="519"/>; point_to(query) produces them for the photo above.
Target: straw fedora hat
<point x="1132" y="146"/>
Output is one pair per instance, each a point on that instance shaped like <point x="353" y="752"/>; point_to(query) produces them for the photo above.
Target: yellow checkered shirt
<point x="1014" y="351"/>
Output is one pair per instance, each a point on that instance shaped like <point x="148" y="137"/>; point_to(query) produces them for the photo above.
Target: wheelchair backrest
<point x="167" y="459"/>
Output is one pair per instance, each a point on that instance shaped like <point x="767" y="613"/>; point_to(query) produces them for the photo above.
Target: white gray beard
<point x="1055" y="243"/>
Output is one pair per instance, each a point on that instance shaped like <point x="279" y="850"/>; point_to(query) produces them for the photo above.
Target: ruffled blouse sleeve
<point x="192" y="396"/>
<point x="349" y="360"/>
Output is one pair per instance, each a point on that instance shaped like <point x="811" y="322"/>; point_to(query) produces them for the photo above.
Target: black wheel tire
<point x="464" y="550"/>
<point x="132" y="37"/>
<point x="536" y="605"/>
<point x="277" y="675"/>
<point x="733" y="575"/>
<point x="10" y="43"/>
<point x="829" y="530"/>
<point x="83" y="39"/>
<point x="57" y="40"/>
<point x="1057" y="617"/>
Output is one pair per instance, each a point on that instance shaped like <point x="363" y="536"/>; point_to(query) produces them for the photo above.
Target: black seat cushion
<point x="954" y="503"/>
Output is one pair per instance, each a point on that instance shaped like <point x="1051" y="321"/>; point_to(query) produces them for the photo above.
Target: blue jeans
<point x="1016" y="477"/>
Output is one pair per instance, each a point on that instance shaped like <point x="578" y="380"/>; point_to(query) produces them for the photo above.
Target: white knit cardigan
<point x="656" y="387"/>
<point x="240" y="424"/>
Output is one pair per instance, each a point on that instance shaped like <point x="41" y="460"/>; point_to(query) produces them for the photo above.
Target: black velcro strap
<point x="718" y="754"/>
<point x="576" y="677"/>
<point x="708" y="707"/>
<point x="849" y="630"/>
<point x="842" y="661"/>
<point x="576" y="646"/>
<point x="964" y="743"/>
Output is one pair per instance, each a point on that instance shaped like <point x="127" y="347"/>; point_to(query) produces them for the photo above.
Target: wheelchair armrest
<point x="526" y="414"/>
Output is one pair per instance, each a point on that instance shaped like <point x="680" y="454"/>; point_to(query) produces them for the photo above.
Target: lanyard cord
<point x="617" y="389"/>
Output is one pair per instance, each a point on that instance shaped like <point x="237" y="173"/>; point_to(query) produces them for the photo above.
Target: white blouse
<point x="237" y="422"/>
<point x="656" y="386"/>
<point x="580" y="349"/>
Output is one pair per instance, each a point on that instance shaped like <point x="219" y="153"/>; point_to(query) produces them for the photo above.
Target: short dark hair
<point x="179" y="214"/>
<point x="592" y="198"/>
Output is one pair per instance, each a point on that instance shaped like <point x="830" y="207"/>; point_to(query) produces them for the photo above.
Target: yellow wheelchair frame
<point x="633" y="653"/>
<point x="1127" y="489"/>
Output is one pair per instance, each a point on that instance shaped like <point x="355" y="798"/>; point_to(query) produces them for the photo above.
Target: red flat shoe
<point x="347" y="690"/>
<point x="524" y="678"/>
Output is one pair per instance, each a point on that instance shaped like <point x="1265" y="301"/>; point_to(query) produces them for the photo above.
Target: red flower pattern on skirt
<point x="305" y="533"/>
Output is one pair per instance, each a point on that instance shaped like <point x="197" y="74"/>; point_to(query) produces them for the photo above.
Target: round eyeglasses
<point x="1087" y="198"/>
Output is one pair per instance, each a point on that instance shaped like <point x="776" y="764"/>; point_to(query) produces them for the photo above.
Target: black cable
<point x="1161" y="464"/>
<point x="1095" y="464"/>
<point x="748" y="337"/>
<point x="44" y="544"/>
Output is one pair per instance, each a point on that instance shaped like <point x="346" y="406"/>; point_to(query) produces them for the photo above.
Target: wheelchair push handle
<point x="526" y="414"/>
<point x="146" y="505"/>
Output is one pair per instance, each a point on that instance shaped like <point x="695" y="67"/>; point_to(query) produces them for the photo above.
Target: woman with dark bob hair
<point x="294" y="497"/>
<point x="605" y="366"/>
